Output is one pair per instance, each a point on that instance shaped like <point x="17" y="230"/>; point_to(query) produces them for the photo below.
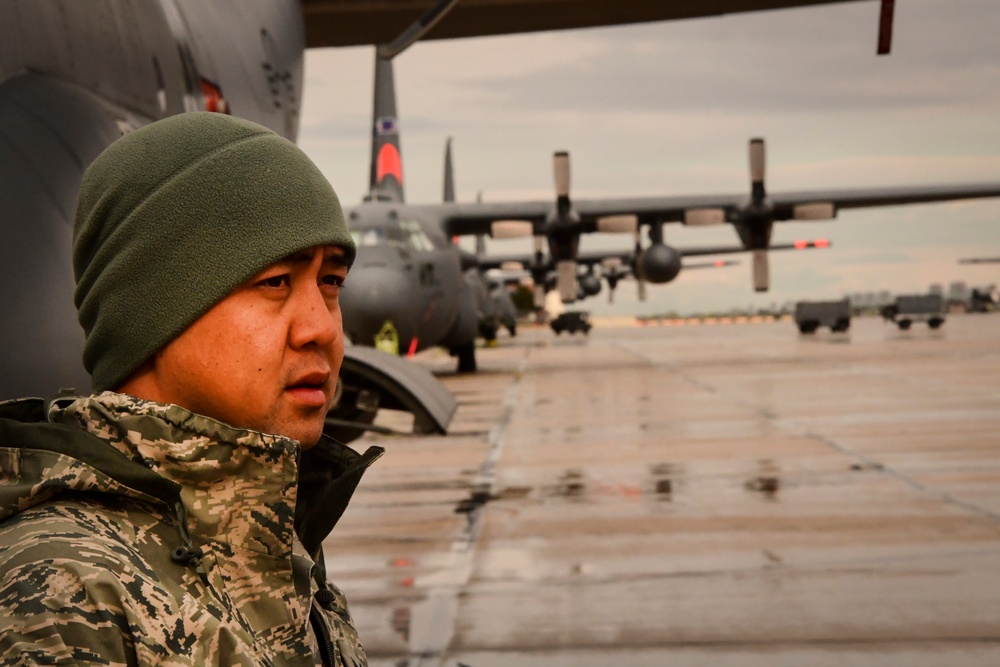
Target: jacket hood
<point x="118" y="445"/>
<point x="40" y="459"/>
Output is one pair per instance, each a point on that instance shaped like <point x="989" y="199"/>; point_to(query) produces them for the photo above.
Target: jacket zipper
<point x="323" y="639"/>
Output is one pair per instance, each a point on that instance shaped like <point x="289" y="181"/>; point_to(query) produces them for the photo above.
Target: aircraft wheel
<point x="466" y="354"/>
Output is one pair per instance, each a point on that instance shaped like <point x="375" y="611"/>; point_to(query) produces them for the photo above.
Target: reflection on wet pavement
<point x="726" y="496"/>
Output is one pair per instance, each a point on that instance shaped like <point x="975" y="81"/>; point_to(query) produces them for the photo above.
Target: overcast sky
<point x="668" y="108"/>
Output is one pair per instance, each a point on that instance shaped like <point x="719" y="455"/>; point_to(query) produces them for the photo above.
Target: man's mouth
<point x="310" y="388"/>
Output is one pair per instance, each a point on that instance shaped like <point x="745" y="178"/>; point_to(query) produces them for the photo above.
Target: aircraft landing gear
<point x="466" y="354"/>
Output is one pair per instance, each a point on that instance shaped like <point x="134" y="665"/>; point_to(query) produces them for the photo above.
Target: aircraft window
<point x="368" y="237"/>
<point x="374" y="236"/>
<point x="417" y="238"/>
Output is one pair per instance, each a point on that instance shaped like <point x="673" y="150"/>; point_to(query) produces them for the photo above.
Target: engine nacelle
<point x="590" y="284"/>
<point x="659" y="263"/>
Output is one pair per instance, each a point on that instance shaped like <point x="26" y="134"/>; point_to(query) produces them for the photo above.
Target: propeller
<point x="538" y="274"/>
<point x="757" y="169"/>
<point x="563" y="228"/>
<point x="640" y="281"/>
<point x="762" y="211"/>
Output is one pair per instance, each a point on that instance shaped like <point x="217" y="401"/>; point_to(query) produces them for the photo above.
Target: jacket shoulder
<point x="62" y="588"/>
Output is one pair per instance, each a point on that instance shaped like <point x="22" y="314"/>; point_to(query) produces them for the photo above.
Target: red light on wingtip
<point x="799" y="245"/>
<point x="719" y="263"/>
<point x="821" y="243"/>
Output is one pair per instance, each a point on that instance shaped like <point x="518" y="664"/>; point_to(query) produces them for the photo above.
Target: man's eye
<point x="275" y="281"/>
<point x="333" y="279"/>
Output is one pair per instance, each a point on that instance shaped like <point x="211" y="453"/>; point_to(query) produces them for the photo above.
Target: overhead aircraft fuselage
<point x="73" y="77"/>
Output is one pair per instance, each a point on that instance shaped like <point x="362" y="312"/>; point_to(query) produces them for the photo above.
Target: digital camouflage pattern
<point x="98" y="493"/>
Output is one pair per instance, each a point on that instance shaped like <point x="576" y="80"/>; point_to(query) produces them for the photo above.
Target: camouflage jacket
<point x="136" y="533"/>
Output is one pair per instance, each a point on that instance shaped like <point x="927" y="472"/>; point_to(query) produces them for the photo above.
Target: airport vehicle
<point x="983" y="299"/>
<point x="910" y="308"/>
<point x="571" y="321"/>
<point x="811" y="315"/>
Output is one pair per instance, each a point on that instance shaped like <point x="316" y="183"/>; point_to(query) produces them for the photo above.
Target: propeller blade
<point x="449" y="174"/>
<point x="566" y="280"/>
<point x="757" y="168"/>
<point x="636" y="253"/>
<point x="761" y="277"/>
<point x="560" y="166"/>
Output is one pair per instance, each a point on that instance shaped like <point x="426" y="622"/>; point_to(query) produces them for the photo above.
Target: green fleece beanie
<point x="174" y="216"/>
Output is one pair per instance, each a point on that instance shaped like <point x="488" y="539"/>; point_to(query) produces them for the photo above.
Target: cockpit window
<point x="415" y="235"/>
<point x="407" y="235"/>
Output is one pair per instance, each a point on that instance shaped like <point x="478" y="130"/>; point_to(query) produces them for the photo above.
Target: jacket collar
<point x="71" y="433"/>
<point x="237" y="486"/>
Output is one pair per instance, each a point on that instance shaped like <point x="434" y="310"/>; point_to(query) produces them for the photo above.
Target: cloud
<point x="668" y="109"/>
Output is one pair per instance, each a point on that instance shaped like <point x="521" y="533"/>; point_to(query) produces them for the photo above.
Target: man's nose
<point x="313" y="322"/>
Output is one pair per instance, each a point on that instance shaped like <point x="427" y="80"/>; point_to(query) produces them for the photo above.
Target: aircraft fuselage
<point x="407" y="282"/>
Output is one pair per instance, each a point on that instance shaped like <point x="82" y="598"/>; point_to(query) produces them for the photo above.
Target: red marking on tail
<point x="388" y="162"/>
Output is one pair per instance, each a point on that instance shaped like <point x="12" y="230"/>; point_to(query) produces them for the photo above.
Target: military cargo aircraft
<point x="411" y="284"/>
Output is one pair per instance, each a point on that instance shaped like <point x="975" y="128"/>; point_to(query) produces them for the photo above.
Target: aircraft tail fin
<point x="386" y="175"/>
<point x="449" y="173"/>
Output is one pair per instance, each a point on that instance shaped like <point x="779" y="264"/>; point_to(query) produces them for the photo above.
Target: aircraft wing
<point x="478" y="218"/>
<point x="468" y="219"/>
<point x="784" y="204"/>
<point x="507" y="261"/>
<point x="676" y="209"/>
<point x="359" y="22"/>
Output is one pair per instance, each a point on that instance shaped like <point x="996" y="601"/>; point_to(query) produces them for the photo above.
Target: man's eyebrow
<point x="336" y="260"/>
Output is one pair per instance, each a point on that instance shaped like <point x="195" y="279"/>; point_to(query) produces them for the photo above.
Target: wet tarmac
<point x="716" y="495"/>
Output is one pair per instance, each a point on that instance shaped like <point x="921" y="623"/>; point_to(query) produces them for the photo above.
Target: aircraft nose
<point x="374" y="295"/>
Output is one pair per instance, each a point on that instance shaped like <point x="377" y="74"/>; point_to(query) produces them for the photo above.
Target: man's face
<point x="266" y="357"/>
